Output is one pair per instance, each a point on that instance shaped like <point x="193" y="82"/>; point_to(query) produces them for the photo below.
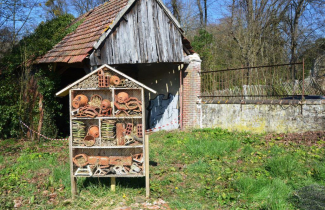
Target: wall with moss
<point x="265" y="118"/>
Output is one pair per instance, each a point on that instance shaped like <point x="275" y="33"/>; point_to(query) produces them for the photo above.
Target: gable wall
<point x="146" y="36"/>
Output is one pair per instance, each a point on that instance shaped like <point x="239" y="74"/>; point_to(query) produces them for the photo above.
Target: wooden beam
<point x="73" y="179"/>
<point x="146" y="140"/>
<point x="113" y="183"/>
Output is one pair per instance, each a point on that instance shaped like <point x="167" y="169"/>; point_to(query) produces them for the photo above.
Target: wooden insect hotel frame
<point x="107" y="132"/>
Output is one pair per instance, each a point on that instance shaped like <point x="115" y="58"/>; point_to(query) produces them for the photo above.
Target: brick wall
<point x="191" y="89"/>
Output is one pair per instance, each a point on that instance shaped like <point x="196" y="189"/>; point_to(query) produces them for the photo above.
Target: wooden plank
<point x="135" y="34"/>
<point x="148" y="36"/>
<point x="166" y="32"/>
<point x="146" y="148"/>
<point x="113" y="183"/>
<point x="152" y="37"/>
<point x="157" y="33"/>
<point x="147" y="165"/>
<point x="113" y="100"/>
<point x="72" y="178"/>
<point x="116" y="176"/>
<point x="162" y="42"/>
<point x="107" y="147"/>
<point x="144" y="53"/>
<point x="173" y="41"/>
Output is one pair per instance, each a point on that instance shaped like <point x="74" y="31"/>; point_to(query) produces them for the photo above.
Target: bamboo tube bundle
<point x="90" y="82"/>
<point x="108" y="130"/>
<point x="130" y="84"/>
<point x="78" y="132"/>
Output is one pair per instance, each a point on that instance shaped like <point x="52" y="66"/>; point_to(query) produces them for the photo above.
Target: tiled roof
<point x="76" y="46"/>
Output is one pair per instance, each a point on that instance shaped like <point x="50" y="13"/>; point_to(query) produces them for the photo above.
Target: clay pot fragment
<point x="98" y="160"/>
<point x="83" y="160"/>
<point x="122" y="97"/>
<point x="120" y="160"/>
<point x="89" y="141"/>
<point x="138" y="158"/>
<point x="105" y="104"/>
<point x="93" y="131"/>
<point x="79" y="101"/>
<point x="80" y="160"/>
<point x="115" y="80"/>
<point x="87" y="111"/>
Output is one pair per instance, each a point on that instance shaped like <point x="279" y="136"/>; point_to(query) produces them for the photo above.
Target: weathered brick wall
<point x="265" y="118"/>
<point x="191" y="91"/>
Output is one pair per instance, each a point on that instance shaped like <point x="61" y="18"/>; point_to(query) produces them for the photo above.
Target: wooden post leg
<point x="73" y="187"/>
<point x="147" y="165"/>
<point x="72" y="177"/>
<point x="113" y="183"/>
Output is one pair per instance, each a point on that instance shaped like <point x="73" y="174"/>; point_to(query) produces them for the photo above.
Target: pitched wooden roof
<point x="65" y="91"/>
<point x="96" y="26"/>
<point x="76" y="46"/>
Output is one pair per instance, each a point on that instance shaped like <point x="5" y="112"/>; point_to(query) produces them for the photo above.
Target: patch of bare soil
<point x="308" y="138"/>
<point x="158" y="204"/>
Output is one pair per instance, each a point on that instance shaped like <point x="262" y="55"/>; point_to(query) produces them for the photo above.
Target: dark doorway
<point x="67" y="77"/>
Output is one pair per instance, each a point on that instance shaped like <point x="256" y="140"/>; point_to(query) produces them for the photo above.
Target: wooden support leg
<point x="113" y="183"/>
<point x="146" y="140"/>
<point x="73" y="187"/>
<point x="72" y="178"/>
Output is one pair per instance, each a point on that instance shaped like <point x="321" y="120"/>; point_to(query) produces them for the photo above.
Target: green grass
<point x="199" y="169"/>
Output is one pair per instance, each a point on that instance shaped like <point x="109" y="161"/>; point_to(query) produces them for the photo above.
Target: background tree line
<point x="235" y="33"/>
<point x="226" y="33"/>
<point x="245" y="32"/>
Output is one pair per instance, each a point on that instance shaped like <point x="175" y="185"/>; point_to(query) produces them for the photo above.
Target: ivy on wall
<point x="26" y="88"/>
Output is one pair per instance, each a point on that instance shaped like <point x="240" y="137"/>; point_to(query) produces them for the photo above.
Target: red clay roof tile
<point x="77" y="45"/>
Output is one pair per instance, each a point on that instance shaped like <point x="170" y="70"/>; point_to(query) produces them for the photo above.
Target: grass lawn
<point x="200" y="169"/>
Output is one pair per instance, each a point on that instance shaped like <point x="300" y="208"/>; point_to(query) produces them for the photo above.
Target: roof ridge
<point x="65" y="90"/>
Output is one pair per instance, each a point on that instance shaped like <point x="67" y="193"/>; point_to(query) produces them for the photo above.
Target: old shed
<point x="142" y="39"/>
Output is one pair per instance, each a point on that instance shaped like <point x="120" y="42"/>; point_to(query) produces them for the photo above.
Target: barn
<point x="142" y="39"/>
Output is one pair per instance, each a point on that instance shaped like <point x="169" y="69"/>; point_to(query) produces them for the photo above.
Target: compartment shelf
<point x="114" y="175"/>
<point x="107" y="147"/>
<point x="112" y="118"/>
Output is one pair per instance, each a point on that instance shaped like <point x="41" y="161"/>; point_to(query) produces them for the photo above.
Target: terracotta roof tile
<point x="77" y="45"/>
<point x="78" y="58"/>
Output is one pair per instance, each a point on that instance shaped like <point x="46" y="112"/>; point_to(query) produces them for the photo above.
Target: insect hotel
<point x="107" y="132"/>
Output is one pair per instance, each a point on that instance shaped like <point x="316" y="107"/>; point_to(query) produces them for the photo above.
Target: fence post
<point x="242" y="83"/>
<point x="303" y="80"/>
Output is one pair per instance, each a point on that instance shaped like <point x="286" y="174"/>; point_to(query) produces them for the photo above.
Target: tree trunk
<point x="176" y="10"/>
<point x="205" y="14"/>
<point x="200" y="12"/>
<point x="41" y="110"/>
<point x="294" y="33"/>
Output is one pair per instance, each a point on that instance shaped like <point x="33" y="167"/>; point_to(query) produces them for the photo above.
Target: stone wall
<point x="309" y="116"/>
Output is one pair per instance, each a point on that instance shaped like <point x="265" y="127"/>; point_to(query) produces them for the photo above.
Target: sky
<point x="216" y="10"/>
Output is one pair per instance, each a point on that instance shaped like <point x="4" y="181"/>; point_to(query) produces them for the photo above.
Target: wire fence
<point x="282" y="81"/>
